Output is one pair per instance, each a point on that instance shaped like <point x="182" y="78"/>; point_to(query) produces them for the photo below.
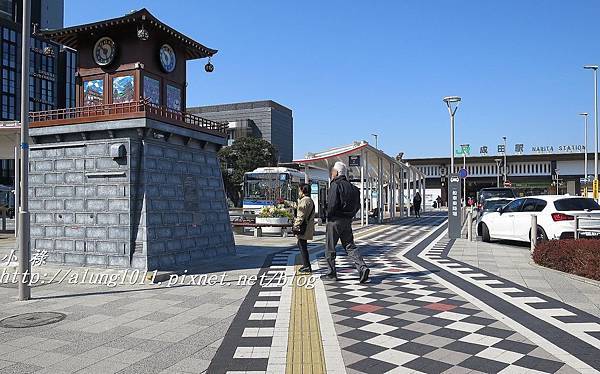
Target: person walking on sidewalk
<point x="304" y="225"/>
<point x="343" y="202"/>
<point x="417" y="204"/>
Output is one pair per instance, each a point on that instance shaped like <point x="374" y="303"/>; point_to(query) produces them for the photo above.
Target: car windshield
<point x="500" y="192"/>
<point x="576" y="204"/>
<point x="493" y="205"/>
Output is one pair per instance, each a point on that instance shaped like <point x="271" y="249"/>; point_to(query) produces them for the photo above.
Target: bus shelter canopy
<point x="366" y="153"/>
<point x="385" y="181"/>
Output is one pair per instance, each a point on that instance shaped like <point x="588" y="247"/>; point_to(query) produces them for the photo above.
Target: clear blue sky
<point x="348" y="68"/>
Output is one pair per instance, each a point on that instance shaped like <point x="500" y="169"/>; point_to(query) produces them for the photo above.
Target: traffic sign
<point x="354" y="160"/>
<point x="454" y="215"/>
<point x="462" y="173"/>
<point x="508" y="184"/>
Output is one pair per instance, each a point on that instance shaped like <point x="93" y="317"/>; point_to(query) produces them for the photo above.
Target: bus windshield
<point x="269" y="187"/>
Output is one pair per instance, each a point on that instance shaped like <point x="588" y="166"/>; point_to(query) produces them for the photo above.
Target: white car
<point x="555" y="218"/>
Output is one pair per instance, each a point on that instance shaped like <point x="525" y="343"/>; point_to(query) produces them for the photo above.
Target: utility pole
<point x="23" y="236"/>
<point x="505" y="165"/>
<point x="594" y="68"/>
<point x="585" y="155"/>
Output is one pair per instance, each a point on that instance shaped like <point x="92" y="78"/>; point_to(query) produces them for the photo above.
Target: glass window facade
<point x="70" y="84"/>
<point x="42" y="80"/>
<point x="8" y="95"/>
<point x="7" y="9"/>
<point x="123" y="89"/>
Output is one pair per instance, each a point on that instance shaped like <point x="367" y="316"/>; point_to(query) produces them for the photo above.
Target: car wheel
<point x="541" y="234"/>
<point x="485" y="233"/>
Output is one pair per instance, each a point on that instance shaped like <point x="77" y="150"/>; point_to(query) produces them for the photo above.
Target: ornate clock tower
<point x="131" y="58"/>
<point x="127" y="178"/>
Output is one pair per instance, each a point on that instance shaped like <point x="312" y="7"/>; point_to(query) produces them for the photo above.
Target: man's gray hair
<point x="340" y="167"/>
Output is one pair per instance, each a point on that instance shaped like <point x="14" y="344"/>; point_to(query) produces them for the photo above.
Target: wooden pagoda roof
<point x="72" y="36"/>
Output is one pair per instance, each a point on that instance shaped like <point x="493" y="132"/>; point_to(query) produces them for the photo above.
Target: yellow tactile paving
<point x="305" y="347"/>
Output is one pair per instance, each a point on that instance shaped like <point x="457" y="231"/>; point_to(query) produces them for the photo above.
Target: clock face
<point x="105" y="50"/>
<point x="167" y="58"/>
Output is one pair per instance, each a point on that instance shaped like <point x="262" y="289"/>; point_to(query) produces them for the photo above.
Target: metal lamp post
<point x="23" y="236"/>
<point x="498" y="161"/>
<point x="594" y="68"/>
<point x="376" y="136"/>
<point x="505" y="165"/>
<point x="452" y="104"/>
<point x="585" y="155"/>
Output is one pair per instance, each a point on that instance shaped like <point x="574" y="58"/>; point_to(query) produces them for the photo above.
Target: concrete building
<point x="52" y="78"/>
<point x="263" y="119"/>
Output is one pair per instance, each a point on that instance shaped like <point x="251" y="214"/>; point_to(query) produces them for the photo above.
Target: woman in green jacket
<point x="304" y="225"/>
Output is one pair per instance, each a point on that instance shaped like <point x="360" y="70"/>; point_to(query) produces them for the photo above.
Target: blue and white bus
<point x="269" y="186"/>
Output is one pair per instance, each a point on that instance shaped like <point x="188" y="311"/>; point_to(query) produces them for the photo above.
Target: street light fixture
<point x="452" y="103"/>
<point x="595" y="69"/>
<point x="498" y="161"/>
<point x="585" y="155"/>
<point x="375" y="136"/>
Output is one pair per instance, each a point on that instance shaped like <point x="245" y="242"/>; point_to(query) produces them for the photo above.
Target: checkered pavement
<point x="257" y="338"/>
<point x="403" y="321"/>
<point x="579" y="324"/>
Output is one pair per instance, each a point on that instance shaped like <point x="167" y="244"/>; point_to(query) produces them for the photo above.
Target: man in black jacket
<point x="343" y="202"/>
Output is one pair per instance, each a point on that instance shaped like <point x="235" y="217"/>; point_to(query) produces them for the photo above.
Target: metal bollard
<point x="470" y="226"/>
<point x="576" y="235"/>
<point x="533" y="232"/>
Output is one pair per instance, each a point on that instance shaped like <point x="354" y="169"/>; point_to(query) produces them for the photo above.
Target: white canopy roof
<point x="324" y="160"/>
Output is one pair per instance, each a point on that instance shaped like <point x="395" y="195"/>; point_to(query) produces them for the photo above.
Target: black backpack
<point x="351" y="200"/>
<point x="355" y="199"/>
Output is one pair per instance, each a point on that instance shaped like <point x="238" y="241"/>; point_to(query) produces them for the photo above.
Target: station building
<point x="538" y="173"/>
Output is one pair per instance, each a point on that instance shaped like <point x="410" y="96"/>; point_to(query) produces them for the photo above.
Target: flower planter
<point x="273" y="230"/>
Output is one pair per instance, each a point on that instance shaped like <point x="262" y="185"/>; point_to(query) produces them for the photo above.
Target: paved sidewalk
<point x="423" y="311"/>
<point x="414" y="316"/>
<point x="129" y="329"/>
<point x="512" y="261"/>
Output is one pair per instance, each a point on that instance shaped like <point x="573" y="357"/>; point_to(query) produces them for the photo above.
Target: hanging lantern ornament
<point x="209" y="67"/>
<point x="142" y="33"/>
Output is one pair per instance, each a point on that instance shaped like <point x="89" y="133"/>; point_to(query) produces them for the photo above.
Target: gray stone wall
<point x="186" y="216"/>
<point x="162" y="206"/>
<point x="79" y="203"/>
